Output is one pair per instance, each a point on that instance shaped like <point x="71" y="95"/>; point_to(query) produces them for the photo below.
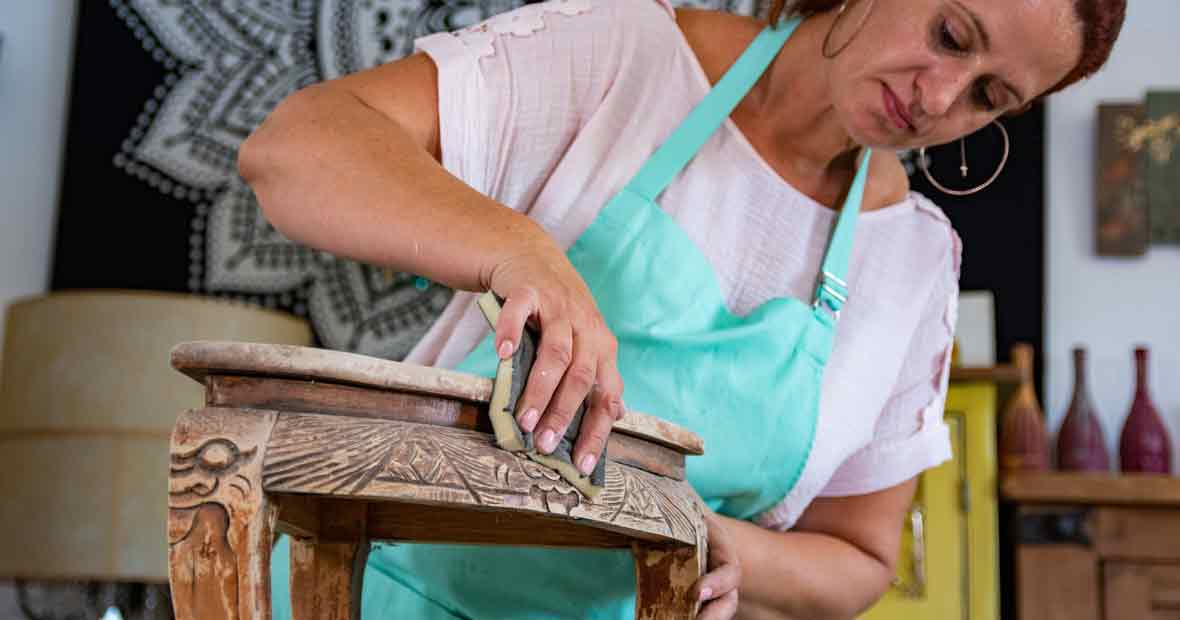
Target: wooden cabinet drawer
<point x="1151" y="534"/>
<point x="1142" y="591"/>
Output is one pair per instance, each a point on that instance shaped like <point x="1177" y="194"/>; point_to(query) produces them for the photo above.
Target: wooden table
<point x="337" y="450"/>
<point x="1093" y="547"/>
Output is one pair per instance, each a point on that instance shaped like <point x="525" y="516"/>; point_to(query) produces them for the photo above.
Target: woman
<point x="521" y="156"/>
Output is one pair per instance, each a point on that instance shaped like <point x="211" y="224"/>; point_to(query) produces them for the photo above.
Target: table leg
<point x="326" y="577"/>
<point x="220" y="524"/>
<point x="664" y="579"/>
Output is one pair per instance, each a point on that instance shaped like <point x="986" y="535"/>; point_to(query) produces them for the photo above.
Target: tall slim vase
<point x="1081" y="444"/>
<point x="1144" y="445"/>
<point x="1024" y="445"/>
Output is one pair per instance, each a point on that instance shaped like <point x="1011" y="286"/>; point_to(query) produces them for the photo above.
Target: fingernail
<point x="586" y="465"/>
<point x="706" y="594"/>
<point x="505" y="349"/>
<point x="528" y="421"/>
<point x="548" y="441"/>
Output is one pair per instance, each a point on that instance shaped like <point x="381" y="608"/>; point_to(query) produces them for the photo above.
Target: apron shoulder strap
<point x="831" y="290"/>
<point x="675" y="153"/>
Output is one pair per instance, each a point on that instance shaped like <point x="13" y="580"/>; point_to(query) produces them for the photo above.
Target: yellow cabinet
<point x="948" y="568"/>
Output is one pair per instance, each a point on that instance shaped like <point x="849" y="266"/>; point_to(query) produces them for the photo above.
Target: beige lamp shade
<point x="87" y="403"/>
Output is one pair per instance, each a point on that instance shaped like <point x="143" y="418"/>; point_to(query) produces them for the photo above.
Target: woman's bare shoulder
<point x="716" y="38"/>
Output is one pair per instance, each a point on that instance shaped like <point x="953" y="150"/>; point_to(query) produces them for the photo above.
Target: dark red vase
<point x="1081" y="444"/>
<point x="1144" y="446"/>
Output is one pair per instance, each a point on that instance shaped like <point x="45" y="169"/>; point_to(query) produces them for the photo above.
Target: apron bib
<point x="748" y="385"/>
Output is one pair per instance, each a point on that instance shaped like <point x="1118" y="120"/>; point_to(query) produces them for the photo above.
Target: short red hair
<point x="1102" y="21"/>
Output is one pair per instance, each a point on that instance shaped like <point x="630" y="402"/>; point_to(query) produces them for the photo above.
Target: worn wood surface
<point x="400" y="455"/>
<point x="1083" y="488"/>
<point x="220" y="525"/>
<point x="1142" y="591"/>
<point x="1057" y="582"/>
<point x="464" y="524"/>
<point x="327" y="578"/>
<point x="664" y="579"/>
<point x="200" y="359"/>
<point x="408" y="462"/>
<point x="660" y="431"/>
<point x="301" y="396"/>
<point x="645" y="455"/>
<point x="298" y="515"/>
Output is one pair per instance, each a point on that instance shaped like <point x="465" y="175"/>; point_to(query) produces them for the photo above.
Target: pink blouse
<point x="551" y="108"/>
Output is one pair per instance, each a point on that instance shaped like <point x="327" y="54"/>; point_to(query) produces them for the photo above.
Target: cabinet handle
<point x="918" y="522"/>
<point x="917" y="587"/>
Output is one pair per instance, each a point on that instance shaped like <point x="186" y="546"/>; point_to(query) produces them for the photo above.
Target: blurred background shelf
<point x="1092" y="489"/>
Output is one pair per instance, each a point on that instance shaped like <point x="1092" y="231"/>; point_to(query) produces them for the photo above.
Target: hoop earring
<point x="835" y="22"/>
<point x="963" y="167"/>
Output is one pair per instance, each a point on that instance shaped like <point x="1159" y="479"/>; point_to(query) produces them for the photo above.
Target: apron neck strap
<point x="831" y="291"/>
<point x="679" y="149"/>
<point x="710" y="113"/>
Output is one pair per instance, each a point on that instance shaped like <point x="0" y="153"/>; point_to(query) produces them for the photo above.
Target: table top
<point x="199" y="359"/>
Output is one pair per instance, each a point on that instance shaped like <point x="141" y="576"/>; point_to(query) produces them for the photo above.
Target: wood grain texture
<point x="200" y="359"/>
<point x="664" y="579"/>
<point x="660" y="431"/>
<point x="465" y="524"/>
<point x="645" y="455"/>
<point x="1057" y="582"/>
<point x="220" y="525"/>
<point x="1083" y="488"/>
<point x="327" y="578"/>
<point x="1137" y="533"/>
<point x="1141" y="591"/>
<point x="301" y="396"/>
<point x="408" y="462"/>
<point x="298" y="515"/>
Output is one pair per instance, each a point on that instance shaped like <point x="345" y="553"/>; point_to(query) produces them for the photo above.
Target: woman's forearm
<point x="804" y="575"/>
<point x="335" y="174"/>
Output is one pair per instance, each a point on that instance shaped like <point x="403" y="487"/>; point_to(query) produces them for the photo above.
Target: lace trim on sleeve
<point x="521" y="22"/>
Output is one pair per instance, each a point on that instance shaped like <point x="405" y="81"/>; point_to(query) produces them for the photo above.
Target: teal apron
<point x="750" y="386"/>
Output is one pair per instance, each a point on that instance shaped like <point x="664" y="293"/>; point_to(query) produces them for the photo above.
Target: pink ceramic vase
<point x="1081" y="444"/>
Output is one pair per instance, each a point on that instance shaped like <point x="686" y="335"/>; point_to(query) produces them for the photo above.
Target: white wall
<point x="1110" y="304"/>
<point x="35" y="65"/>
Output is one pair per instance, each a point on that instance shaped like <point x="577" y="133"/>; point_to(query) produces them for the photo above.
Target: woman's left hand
<point x="718" y="588"/>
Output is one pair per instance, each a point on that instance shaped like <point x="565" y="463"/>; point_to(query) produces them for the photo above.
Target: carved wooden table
<point x="337" y="449"/>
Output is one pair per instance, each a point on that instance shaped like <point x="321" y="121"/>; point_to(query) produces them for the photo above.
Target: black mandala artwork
<point x="166" y="90"/>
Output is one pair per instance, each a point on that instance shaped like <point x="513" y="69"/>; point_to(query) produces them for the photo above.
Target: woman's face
<point x="926" y="72"/>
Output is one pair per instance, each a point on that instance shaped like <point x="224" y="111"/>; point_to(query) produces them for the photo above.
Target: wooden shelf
<point x="1005" y="373"/>
<point x="1079" y="488"/>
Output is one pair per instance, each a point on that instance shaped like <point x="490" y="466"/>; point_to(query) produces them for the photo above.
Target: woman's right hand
<point x="576" y="354"/>
<point x="352" y="166"/>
